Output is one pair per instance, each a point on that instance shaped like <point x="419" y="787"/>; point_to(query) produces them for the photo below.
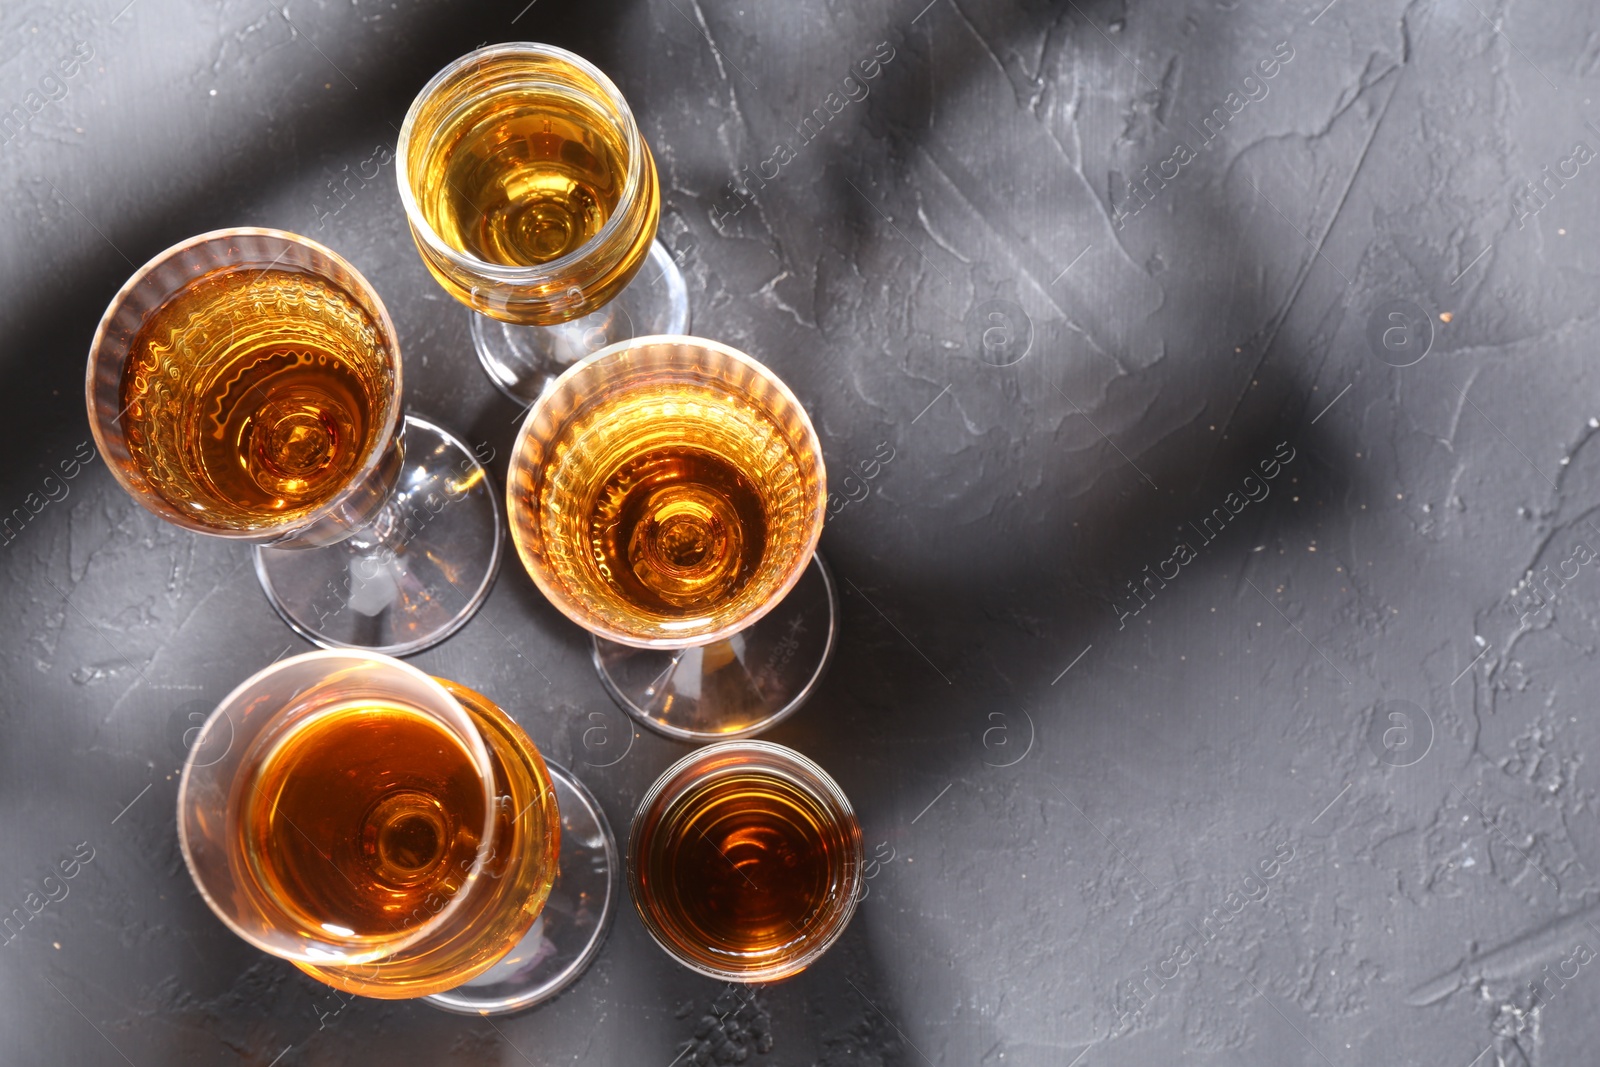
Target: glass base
<point x="736" y="687"/>
<point x="571" y="928"/>
<point x="523" y="360"/>
<point x="413" y="577"/>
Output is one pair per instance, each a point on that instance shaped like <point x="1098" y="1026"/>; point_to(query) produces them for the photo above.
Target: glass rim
<point x="820" y="783"/>
<point x="483" y="764"/>
<point x="502" y="273"/>
<point x="558" y="596"/>
<point x="382" y="439"/>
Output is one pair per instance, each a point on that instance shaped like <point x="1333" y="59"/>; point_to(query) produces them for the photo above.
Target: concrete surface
<point x="1192" y="687"/>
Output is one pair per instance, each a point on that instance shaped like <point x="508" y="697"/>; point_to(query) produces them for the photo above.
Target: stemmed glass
<point x="533" y="199"/>
<point x="394" y="836"/>
<point x="246" y="384"/>
<point x="667" y="494"/>
<point x="745" y="861"/>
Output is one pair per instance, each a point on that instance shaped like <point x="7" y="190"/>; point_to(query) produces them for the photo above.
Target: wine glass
<point x="246" y="384"/>
<point x="745" y="861"/>
<point x="667" y="495"/>
<point x="394" y="836"/>
<point x="533" y="199"/>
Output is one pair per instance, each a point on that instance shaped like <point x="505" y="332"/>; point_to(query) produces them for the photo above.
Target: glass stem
<point x="378" y="549"/>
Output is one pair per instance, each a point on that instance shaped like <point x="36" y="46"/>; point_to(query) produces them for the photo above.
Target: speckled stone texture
<point x="1214" y="636"/>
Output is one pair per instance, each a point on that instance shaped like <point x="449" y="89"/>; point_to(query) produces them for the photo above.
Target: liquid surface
<point x="253" y="396"/>
<point x="678" y="529"/>
<point x="364" y="819"/>
<point x="524" y="175"/>
<point x="742" y="870"/>
<point x="674" y="506"/>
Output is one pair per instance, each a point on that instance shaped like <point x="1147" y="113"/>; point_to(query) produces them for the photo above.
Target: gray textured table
<point x="1236" y="363"/>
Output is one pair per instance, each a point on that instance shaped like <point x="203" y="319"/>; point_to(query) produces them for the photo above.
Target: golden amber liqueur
<point x="738" y="870"/>
<point x="673" y="503"/>
<point x="363" y="819"/>
<point x="523" y="175"/>
<point x="392" y="836"/>
<point x="254" y="396"/>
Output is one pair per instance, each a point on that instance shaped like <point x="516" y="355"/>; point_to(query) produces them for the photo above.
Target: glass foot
<point x="568" y="935"/>
<point x="523" y="360"/>
<point x="413" y="577"/>
<point x="736" y="687"/>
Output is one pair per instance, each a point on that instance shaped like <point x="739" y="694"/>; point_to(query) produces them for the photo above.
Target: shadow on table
<point x="921" y="663"/>
<point x="946" y="618"/>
